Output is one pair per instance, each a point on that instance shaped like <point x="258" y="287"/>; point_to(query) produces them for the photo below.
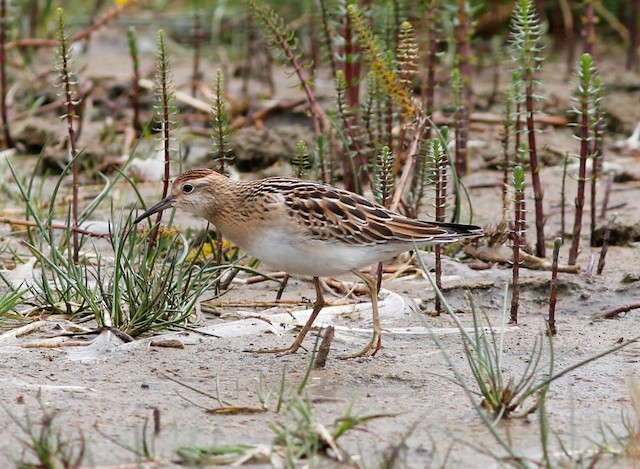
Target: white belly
<point x="316" y="258"/>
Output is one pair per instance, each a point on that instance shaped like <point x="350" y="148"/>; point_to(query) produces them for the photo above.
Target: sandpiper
<point x="307" y="229"/>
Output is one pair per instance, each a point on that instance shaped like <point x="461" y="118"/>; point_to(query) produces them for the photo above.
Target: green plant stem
<point x="135" y="82"/>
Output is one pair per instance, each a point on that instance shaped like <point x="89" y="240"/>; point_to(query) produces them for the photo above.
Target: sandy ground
<point x="106" y="395"/>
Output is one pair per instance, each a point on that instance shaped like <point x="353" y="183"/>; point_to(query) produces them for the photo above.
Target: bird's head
<point x="192" y="191"/>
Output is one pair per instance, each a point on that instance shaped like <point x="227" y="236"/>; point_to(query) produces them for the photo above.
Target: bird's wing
<point x="329" y="213"/>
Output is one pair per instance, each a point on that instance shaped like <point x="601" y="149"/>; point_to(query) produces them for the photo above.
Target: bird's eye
<point x="187" y="188"/>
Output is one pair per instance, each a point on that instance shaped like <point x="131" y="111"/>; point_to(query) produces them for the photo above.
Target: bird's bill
<point x="160" y="206"/>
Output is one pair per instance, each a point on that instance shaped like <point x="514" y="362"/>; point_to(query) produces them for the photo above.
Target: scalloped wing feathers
<point x="327" y="213"/>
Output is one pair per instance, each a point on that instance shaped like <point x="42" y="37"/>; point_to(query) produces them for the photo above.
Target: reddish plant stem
<point x="596" y="163"/>
<point x="355" y="172"/>
<point x="607" y="195"/>
<point x="8" y="140"/>
<point x="589" y="30"/>
<point x="410" y="163"/>
<point x="553" y="296"/>
<point x="582" y="179"/>
<point x="463" y="53"/>
<point x="605" y="244"/>
<point x="518" y="229"/>
<point x="33" y="18"/>
<point x="352" y="64"/>
<point x="505" y="186"/>
<point x="614" y="312"/>
<point x="70" y="116"/>
<point x="316" y="112"/>
<point x="440" y="205"/>
<point x="197" y="43"/>
<point x="431" y="63"/>
<point x="506" y="162"/>
<point x="165" y="105"/>
<point x="535" y="167"/>
<point x="517" y="135"/>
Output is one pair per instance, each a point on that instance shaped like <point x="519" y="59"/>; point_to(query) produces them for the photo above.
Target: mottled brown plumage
<point x="306" y="228"/>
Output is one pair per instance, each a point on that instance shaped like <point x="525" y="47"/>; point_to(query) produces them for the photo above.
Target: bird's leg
<point x="376" y="341"/>
<point x="297" y="343"/>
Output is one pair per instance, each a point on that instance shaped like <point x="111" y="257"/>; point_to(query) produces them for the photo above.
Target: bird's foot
<point x="370" y="350"/>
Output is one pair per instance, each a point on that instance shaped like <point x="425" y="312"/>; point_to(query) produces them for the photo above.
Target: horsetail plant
<point x="220" y="125"/>
<point x="165" y="107"/>
<point x="380" y="64"/>
<point x="407" y="67"/>
<point x="519" y="222"/>
<point x="389" y="110"/>
<point x="349" y="55"/>
<point x="585" y="98"/>
<point x="355" y="167"/>
<point x="439" y="162"/>
<point x="68" y="82"/>
<point x="281" y="37"/>
<point x="384" y="177"/>
<point x="407" y="55"/>
<point x="222" y="151"/>
<point x="371" y="115"/>
<point x="301" y="161"/>
<point x="526" y="51"/>
<point x="422" y="177"/>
